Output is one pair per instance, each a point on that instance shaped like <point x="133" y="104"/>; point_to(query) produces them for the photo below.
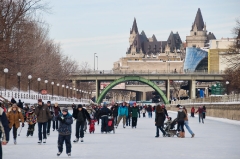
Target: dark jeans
<point x="42" y="134"/>
<point x="115" y="120"/>
<point x="49" y="125"/>
<point x="134" y="121"/>
<point x="104" y="123"/>
<point x="67" y="140"/>
<point x="204" y="115"/>
<point x="192" y="114"/>
<point x="143" y="115"/>
<point x="14" y="131"/>
<point x="200" y="116"/>
<point x="161" y="128"/>
<point x="128" y="120"/>
<point x="55" y="124"/>
<point x="80" y="126"/>
<point x="180" y="126"/>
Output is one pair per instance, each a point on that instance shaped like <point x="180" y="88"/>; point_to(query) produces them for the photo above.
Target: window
<point x="195" y="33"/>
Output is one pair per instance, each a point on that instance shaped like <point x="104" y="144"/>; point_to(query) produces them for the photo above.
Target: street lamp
<point x="67" y="91"/>
<point x="39" y="79"/>
<point x="97" y="62"/>
<point x="58" y="88"/>
<point x="29" y="82"/>
<point x="63" y="90"/>
<point x="74" y="92"/>
<point x="5" y="71"/>
<point x="227" y="83"/>
<point x="46" y="81"/>
<point x="94" y="60"/>
<point x="71" y="92"/>
<point x="19" y="76"/>
<point x="52" y="83"/>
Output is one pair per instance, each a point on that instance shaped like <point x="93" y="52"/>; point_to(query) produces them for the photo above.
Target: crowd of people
<point x="50" y="116"/>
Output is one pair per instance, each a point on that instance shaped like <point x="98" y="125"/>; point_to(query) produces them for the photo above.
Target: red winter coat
<point x="193" y="110"/>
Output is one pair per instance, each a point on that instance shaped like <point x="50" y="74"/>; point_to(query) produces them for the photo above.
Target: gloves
<point x="22" y="124"/>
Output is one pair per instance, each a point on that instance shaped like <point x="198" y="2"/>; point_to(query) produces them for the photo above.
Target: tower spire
<point x="198" y="21"/>
<point x="134" y="27"/>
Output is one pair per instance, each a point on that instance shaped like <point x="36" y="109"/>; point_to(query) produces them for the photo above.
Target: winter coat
<point x="149" y="109"/>
<point x="200" y="110"/>
<point x="159" y="119"/>
<point x="13" y="118"/>
<point x="31" y="118"/>
<point x="56" y="111"/>
<point x="105" y="112"/>
<point x="192" y="110"/>
<point x="4" y="127"/>
<point x="115" y="111"/>
<point x="129" y="111"/>
<point x="181" y="115"/>
<point x="43" y="114"/>
<point x="165" y="112"/>
<point x="135" y="112"/>
<point x="65" y="128"/>
<point x="85" y="114"/>
<point x="143" y="110"/>
<point x="122" y="111"/>
<point x="186" y="118"/>
<point x="51" y="109"/>
<point x="20" y="104"/>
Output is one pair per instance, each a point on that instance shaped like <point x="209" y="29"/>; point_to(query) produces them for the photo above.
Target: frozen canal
<point x="213" y="140"/>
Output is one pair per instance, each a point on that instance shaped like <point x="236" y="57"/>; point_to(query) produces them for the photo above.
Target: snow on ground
<point x="213" y="140"/>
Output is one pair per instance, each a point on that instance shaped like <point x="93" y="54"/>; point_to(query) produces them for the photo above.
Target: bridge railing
<point x="233" y="98"/>
<point x="89" y="72"/>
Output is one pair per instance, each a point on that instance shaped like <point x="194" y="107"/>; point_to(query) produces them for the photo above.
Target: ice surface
<point x="215" y="139"/>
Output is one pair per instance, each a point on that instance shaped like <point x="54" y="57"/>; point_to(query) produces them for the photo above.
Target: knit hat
<point x="49" y="101"/>
<point x="65" y="109"/>
<point x="79" y="105"/>
<point x="39" y="100"/>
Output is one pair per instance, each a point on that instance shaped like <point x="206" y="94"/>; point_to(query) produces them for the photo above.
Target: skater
<point x="20" y="104"/>
<point x="104" y="113"/>
<point x="115" y="113"/>
<point x="204" y="112"/>
<point x="144" y="111"/>
<point x="43" y="115"/>
<point x="159" y="120"/>
<point x="4" y="130"/>
<point x="200" y="114"/>
<point x="80" y="115"/>
<point x="149" y="110"/>
<point x="192" y="112"/>
<point x="180" y="120"/>
<point x="31" y="119"/>
<point x="122" y="114"/>
<point x="186" y="123"/>
<point x="56" y="112"/>
<point x="128" y="120"/>
<point x="49" y="120"/>
<point x="64" y="131"/>
<point x="13" y="117"/>
<point x="135" y="113"/>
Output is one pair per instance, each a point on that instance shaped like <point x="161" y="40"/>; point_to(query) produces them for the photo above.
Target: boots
<point x="183" y="134"/>
<point x="180" y="134"/>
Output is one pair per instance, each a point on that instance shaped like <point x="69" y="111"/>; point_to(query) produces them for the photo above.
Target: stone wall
<point x="229" y="111"/>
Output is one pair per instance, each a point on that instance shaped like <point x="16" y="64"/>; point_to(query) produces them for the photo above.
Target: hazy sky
<point x="84" y="27"/>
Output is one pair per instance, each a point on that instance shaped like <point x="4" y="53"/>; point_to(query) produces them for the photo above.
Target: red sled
<point x="92" y="126"/>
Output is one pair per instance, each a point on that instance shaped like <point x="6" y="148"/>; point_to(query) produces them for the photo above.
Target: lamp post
<point x="39" y="79"/>
<point x="63" y="90"/>
<point x="67" y="91"/>
<point x="71" y="92"/>
<point x="58" y="88"/>
<point x="46" y="81"/>
<point x="19" y="76"/>
<point x="74" y="92"/>
<point x="77" y="93"/>
<point x="29" y="84"/>
<point x="227" y="83"/>
<point x="97" y="62"/>
<point x="52" y="83"/>
<point x="5" y="71"/>
<point x="94" y="60"/>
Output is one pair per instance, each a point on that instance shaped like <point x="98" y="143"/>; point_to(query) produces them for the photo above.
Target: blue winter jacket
<point x="65" y="128"/>
<point x="122" y="111"/>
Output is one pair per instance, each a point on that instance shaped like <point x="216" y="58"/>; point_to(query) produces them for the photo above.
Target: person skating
<point x="104" y="113"/>
<point x="43" y="115"/>
<point x="80" y="115"/>
<point x="180" y="120"/>
<point x="64" y="131"/>
<point x="13" y="117"/>
<point x="186" y="123"/>
<point x="144" y="111"/>
<point x="159" y="120"/>
<point x="115" y="113"/>
<point x="129" y="117"/>
<point x="31" y="119"/>
<point x="192" y="112"/>
<point x="4" y="130"/>
<point x="49" y="120"/>
<point x="200" y="114"/>
<point x="56" y="112"/>
<point x="135" y="113"/>
<point x="122" y="114"/>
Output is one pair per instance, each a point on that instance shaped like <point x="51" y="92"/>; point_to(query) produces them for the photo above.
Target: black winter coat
<point x="105" y="112"/>
<point x="181" y="116"/>
<point x="84" y="111"/>
<point x="115" y="111"/>
<point x="160" y="117"/>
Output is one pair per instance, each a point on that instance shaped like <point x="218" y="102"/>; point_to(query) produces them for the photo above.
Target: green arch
<point x="132" y="78"/>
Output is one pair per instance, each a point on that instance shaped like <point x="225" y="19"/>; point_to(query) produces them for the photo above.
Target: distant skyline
<point x="102" y="26"/>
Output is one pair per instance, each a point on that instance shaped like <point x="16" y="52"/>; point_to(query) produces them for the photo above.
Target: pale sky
<point x="85" y="27"/>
